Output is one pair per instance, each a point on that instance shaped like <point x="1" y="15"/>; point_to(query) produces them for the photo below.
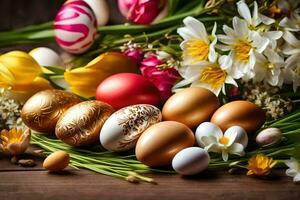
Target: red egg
<point x="124" y="89"/>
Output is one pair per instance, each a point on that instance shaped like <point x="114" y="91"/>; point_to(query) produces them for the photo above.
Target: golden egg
<point x="80" y="125"/>
<point x="239" y="113"/>
<point x="191" y="106"/>
<point x="162" y="141"/>
<point x="56" y="161"/>
<point x="42" y="111"/>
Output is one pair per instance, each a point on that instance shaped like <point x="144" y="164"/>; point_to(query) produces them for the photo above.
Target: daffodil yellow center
<point x="242" y="49"/>
<point x="12" y="136"/>
<point x="213" y="75"/>
<point x="224" y="140"/>
<point x="197" y="49"/>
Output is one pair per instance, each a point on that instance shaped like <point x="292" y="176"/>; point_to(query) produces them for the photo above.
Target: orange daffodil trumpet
<point x="20" y="73"/>
<point x="15" y="141"/>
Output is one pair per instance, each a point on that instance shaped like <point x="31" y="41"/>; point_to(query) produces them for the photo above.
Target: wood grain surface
<point x="36" y="184"/>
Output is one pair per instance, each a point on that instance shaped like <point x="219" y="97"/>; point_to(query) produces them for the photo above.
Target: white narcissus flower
<point x="259" y="22"/>
<point x="197" y="45"/>
<point x="210" y="75"/>
<point x="233" y="141"/>
<point x="268" y="68"/>
<point x="293" y="22"/>
<point x="292" y="68"/>
<point x="242" y="44"/>
<point x="294" y="169"/>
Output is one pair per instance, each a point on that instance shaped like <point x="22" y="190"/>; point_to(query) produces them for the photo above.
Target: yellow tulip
<point x="84" y="81"/>
<point x="19" y="72"/>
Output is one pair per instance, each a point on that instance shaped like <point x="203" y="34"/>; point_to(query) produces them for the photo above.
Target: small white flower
<point x="294" y="169"/>
<point x="211" y="137"/>
<point x="197" y="45"/>
<point x="268" y="68"/>
<point x="256" y="18"/>
<point x="210" y="75"/>
<point x="292" y="68"/>
<point x="259" y="22"/>
<point x="293" y="22"/>
<point x="242" y="44"/>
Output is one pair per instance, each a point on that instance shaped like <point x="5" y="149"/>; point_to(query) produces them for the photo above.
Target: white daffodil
<point x="294" y="169"/>
<point x="293" y="22"/>
<point x="211" y="137"/>
<point x="259" y="22"/>
<point x="197" y="45"/>
<point x="268" y="68"/>
<point x="256" y="18"/>
<point x="242" y="44"/>
<point x="211" y="75"/>
<point x="292" y="68"/>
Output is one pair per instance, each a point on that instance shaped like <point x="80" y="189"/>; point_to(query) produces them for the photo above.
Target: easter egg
<point x="124" y="89"/>
<point x="190" y="106"/>
<point x="239" y="113"/>
<point x="56" y="161"/>
<point x="46" y="57"/>
<point x="100" y="9"/>
<point x="80" y="125"/>
<point x="162" y="141"/>
<point x="190" y="161"/>
<point x="42" y="111"/>
<point x="122" y="129"/>
<point x="75" y="26"/>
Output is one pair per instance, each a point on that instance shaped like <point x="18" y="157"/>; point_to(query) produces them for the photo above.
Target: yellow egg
<point x="162" y="141"/>
<point x="239" y="113"/>
<point x="42" y="111"/>
<point x="80" y="125"/>
<point x="56" y="161"/>
<point x="191" y="106"/>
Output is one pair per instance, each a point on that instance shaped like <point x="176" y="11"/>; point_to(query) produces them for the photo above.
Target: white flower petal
<point x="244" y="11"/>
<point x="259" y="42"/>
<point x="291" y="172"/>
<point x="196" y="27"/>
<point x="291" y="39"/>
<point x="224" y="155"/>
<point x="237" y="149"/>
<point x="240" y="27"/>
<point x="231" y="81"/>
<point x="207" y="129"/>
<point x="292" y="163"/>
<point x="186" y="34"/>
<point x="231" y="135"/>
<point x="297" y="178"/>
<point x="266" y="20"/>
<point x="241" y="135"/>
<point x="229" y="31"/>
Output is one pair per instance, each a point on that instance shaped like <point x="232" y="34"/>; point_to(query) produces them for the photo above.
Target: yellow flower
<point x="15" y="141"/>
<point x="260" y="165"/>
<point x="19" y="72"/>
<point x="85" y="80"/>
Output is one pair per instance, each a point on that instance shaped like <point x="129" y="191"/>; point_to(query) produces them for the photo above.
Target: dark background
<point x="18" y="13"/>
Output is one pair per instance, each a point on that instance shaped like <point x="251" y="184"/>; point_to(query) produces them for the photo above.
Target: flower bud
<point x="135" y="54"/>
<point x="142" y="11"/>
<point x="268" y="137"/>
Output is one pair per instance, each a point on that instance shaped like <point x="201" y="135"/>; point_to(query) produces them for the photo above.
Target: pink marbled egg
<point x="75" y="26"/>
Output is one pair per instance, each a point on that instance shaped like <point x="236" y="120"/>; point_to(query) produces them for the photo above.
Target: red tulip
<point x="141" y="11"/>
<point x="136" y="54"/>
<point x="163" y="79"/>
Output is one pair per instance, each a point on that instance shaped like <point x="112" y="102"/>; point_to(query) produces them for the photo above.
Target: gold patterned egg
<point x="42" y="111"/>
<point x="80" y="125"/>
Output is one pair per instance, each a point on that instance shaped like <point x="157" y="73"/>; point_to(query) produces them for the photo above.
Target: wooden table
<point x="34" y="183"/>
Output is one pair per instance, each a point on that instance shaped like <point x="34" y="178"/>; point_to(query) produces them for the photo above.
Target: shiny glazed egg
<point x="122" y="129"/>
<point x="75" y="26"/>
<point x="80" y="125"/>
<point x="162" y="141"/>
<point x="190" y="161"/>
<point x="239" y="113"/>
<point x="190" y="106"/>
<point x="42" y="111"/>
<point x="124" y="89"/>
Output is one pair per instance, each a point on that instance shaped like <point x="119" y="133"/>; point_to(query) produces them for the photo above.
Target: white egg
<point x="190" y="161"/>
<point x="122" y="129"/>
<point x="46" y="57"/>
<point x="268" y="137"/>
<point x="241" y="136"/>
<point x="207" y="129"/>
<point x="100" y="9"/>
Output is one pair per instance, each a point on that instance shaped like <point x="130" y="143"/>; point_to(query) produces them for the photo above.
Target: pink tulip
<point x="136" y="54"/>
<point x="163" y="79"/>
<point x="141" y="11"/>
